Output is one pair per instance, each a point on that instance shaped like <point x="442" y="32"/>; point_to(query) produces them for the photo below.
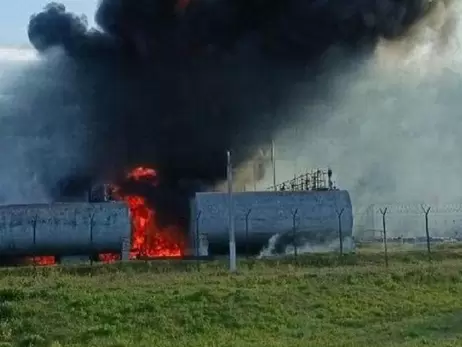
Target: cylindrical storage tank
<point x="63" y="228"/>
<point x="260" y="215"/>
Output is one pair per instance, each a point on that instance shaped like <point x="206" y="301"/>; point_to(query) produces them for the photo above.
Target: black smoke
<point x="174" y="88"/>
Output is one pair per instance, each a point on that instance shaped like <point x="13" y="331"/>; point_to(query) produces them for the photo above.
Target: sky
<point x="15" y="14"/>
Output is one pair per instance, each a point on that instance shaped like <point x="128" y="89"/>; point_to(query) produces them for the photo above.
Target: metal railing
<point x="313" y="180"/>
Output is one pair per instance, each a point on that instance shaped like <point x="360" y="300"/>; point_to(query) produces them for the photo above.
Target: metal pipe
<point x="232" y="236"/>
<point x="273" y="162"/>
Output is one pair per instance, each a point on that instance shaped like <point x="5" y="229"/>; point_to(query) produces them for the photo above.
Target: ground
<point x="311" y="301"/>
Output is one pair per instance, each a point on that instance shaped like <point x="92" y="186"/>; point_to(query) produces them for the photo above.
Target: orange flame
<point x="142" y="173"/>
<point x="108" y="257"/>
<point x="44" y="260"/>
<point x="148" y="239"/>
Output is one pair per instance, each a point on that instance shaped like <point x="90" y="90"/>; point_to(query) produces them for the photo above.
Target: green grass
<point x="317" y="300"/>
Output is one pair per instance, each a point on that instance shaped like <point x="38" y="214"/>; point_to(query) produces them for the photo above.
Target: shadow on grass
<point x="446" y="326"/>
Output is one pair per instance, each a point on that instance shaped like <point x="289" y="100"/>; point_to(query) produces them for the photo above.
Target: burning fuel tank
<point x="63" y="229"/>
<point x="313" y="214"/>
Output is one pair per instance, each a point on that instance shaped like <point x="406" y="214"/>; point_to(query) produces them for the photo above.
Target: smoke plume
<point x="40" y="125"/>
<point x="175" y="84"/>
<point x="392" y="135"/>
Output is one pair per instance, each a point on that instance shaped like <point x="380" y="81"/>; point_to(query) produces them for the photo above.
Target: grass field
<point x="314" y="301"/>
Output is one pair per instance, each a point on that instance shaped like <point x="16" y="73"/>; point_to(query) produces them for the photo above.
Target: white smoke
<point x="41" y="129"/>
<point x="391" y="128"/>
<point x="308" y="247"/>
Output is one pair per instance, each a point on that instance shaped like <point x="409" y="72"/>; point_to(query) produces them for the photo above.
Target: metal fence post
<point x="34" y="240"/>
<point x="92" y="216"/>
<point x="340" y="231"/>
<point x="294" y="231"/>
<point x="125" y="251"/>
<point x="384" y="212"/>
<point x="146" y="244"/>
<point x="247" y="233"/>
<point x="197" y="241"/>
<point x="426" y="211"/>
<point x="197" y="235"/>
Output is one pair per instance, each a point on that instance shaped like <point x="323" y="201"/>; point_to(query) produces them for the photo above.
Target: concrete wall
<point x="63" y="228"/>
<point x="271" y="213"/>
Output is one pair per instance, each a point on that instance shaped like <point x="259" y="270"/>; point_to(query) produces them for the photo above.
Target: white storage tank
<point x="261" y="215"/>
<point x="63" y="228"/>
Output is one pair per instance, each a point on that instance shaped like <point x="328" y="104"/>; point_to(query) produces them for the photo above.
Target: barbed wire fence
<point x="290" y="234"/>
<point x="385" y="226"/>
<point x="418" y="225"/>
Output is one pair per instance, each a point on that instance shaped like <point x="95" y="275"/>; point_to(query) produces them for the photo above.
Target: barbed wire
<point x="411" y="208"/>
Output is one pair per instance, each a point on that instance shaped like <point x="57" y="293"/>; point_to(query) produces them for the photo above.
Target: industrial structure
<point x="63" y="229"/>
<point x="308" y="208"/>
<point x="315" y="180"/>
<point x="310" y="211"/>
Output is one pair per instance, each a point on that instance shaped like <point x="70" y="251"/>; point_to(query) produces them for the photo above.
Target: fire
<point x="108" y="257"/>
<point x="148" y="239"/>
<point x="45" y="260"/>
<point x="140" y="173"/>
